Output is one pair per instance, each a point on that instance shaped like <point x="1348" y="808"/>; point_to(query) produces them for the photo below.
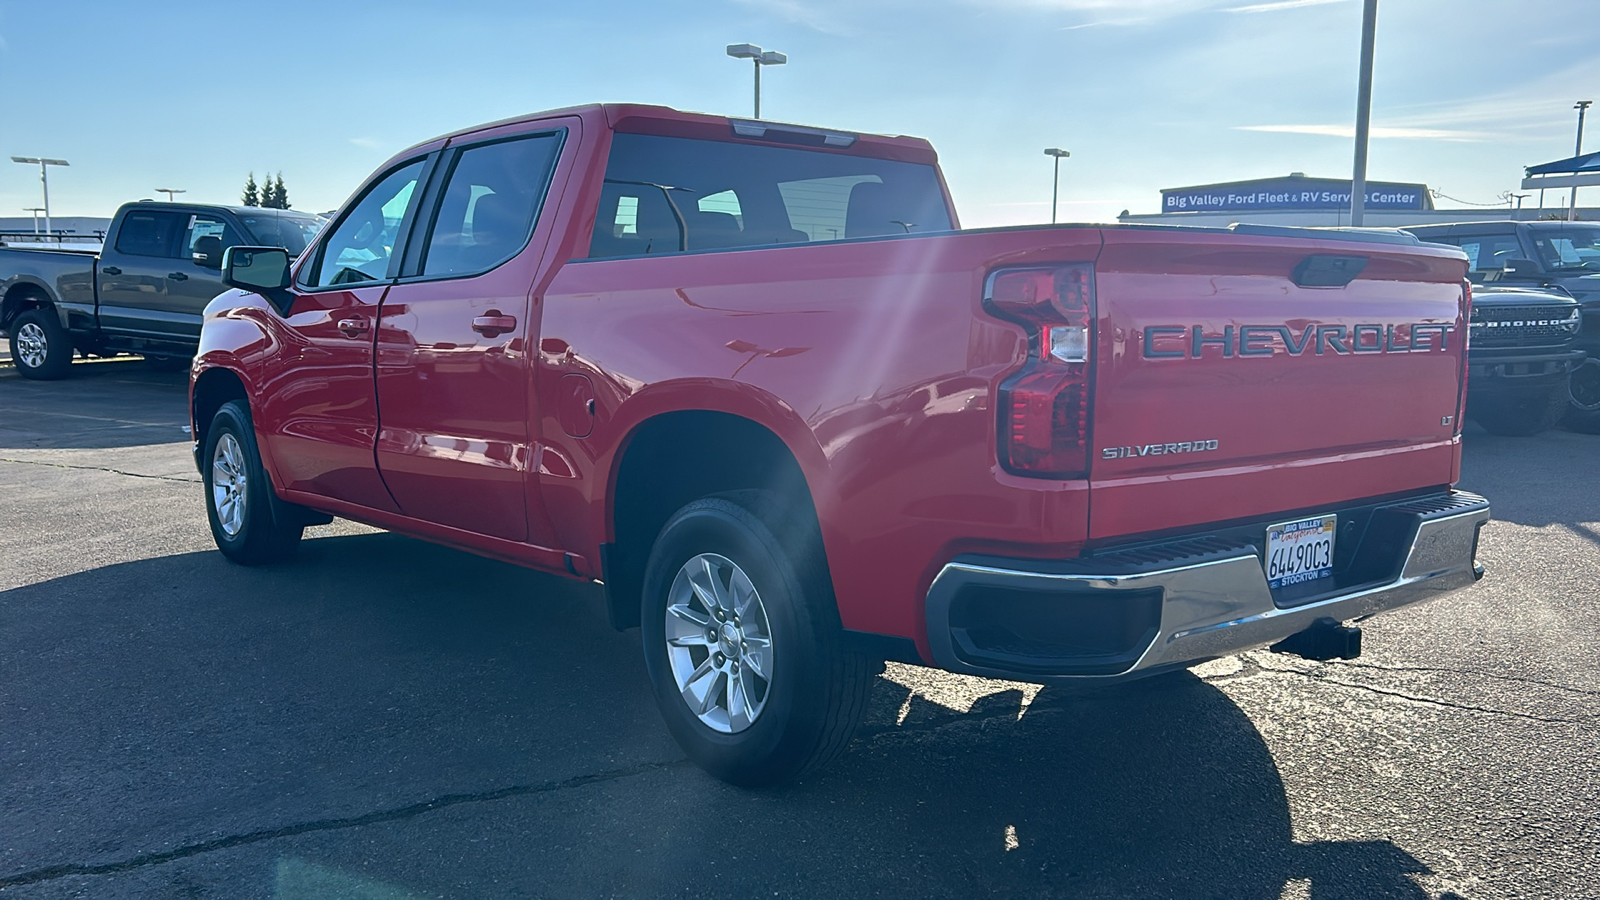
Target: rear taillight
<point x="1466" y="343"/>
<point x="1044" y="405"/>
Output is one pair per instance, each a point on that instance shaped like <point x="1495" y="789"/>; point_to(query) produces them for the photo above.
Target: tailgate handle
<point x="1325" y="270"/>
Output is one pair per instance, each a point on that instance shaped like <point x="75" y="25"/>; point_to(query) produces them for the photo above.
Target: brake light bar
<point x="1044" y="405"/>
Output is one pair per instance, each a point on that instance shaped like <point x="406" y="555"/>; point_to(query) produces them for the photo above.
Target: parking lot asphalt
<point x="359" y="724"/>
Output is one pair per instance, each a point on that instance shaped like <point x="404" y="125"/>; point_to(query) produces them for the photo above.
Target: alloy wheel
<point x="32" y="345"/>
<point x="228" y="483"/>
<point x="719" y="643"/>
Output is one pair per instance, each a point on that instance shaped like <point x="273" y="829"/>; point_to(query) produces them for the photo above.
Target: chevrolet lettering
<point x="1195" y="341"/>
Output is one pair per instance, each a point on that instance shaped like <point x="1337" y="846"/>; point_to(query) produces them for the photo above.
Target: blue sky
<point x="1146" y="94"/>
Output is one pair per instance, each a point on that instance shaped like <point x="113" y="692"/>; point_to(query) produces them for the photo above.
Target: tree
<point x="280" y="194"/>
<point x="251" y="196"/>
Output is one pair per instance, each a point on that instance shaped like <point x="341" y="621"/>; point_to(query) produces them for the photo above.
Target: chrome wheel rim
<point x="719" y="643"/>
<point x="1585" y="386"/>
<point x="228" y="483"/>
<point x="32" y="346"/>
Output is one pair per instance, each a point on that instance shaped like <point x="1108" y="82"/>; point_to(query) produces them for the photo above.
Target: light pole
<point x="1581" y="106"/>
<point x="35" y="210"/>
<point x="171" y="192"/>
<point x="44" y="179"/>
<point x="760" y="58"/>
<point x="1055" y="184"/>
<point x="1358" y="180"/>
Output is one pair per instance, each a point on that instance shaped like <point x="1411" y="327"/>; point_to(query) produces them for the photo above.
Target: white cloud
<point x="1280" y="5"/>
<point x="1377" y="131"/>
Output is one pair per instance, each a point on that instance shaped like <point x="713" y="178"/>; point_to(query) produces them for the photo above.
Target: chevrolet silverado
<point x="755" y="379"/>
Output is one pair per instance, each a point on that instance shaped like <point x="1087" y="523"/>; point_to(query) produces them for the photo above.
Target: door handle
<point x="353" y="327"/>
<point x="110" y="270"/>
<point x="177" y="276"/>
<point x="494" y="324"/>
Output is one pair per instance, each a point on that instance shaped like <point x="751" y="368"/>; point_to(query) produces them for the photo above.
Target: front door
<point x="319" y="414"/>
<point x="190" y="285"/>
<point x="455" y="336"/>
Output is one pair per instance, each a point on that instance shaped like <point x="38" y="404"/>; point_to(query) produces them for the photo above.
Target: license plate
<point x="1299" y="551"/>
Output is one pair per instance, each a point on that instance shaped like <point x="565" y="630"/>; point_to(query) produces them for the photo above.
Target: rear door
<point x="134" y="292"/>
<point x="1225" y="390"/>
<point x="455" y="334"/>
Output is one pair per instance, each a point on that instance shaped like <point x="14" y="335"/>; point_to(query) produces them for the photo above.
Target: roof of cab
<point x="641" y="118"/>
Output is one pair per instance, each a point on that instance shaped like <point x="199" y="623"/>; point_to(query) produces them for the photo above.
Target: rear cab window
<point x="149" y="232"/>
<point x="675" y="195"/>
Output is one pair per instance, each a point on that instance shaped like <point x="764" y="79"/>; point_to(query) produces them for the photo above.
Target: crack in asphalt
<point x="1431" y="701"/>
<point x="35" y="462"/>
<point x="1467" y="672"/>
<point x="51" y="873"/>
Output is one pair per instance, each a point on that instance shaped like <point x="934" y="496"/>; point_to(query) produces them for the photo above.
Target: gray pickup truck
<point x="143" y="293"/>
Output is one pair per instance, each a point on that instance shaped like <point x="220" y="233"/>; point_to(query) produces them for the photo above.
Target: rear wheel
<point x="743" y="644"/>
<point x="1522" y="413"/>
<point x="1583" y="406"/>
<point x="248" y="522"/>
<point x="40" y="346"/>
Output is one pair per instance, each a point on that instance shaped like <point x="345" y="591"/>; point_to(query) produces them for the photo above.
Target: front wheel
<point x="40" y="346"/>
<point x="248" y="523"/>
<point x="1583" y="407"/>
<point x="1522" y="413"/>
<point x="742" y="642"/>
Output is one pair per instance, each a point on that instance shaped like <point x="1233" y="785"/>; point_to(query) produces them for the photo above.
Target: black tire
<point x="40" y="346"/>
<point x="1583" y="396"/>
<point x="1522" y="414"/>
<point x="817" y="693"/>
<point x="265" y="529"/>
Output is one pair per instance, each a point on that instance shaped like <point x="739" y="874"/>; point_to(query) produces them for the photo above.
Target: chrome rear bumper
<point x="1203" y="605"/>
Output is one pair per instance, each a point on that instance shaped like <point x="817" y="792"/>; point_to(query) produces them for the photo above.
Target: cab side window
<point x="489" y="205"/>
<point x="151" y="233"/>
<point x="359" y="248"/>
<point x="209" y="235"/>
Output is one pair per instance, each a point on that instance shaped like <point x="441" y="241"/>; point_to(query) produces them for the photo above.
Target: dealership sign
<point x="1291" y="193"/>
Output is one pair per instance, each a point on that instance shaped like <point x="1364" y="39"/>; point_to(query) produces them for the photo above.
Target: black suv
<point x="1559" y="255"/>
<point x="1520" y="351"/>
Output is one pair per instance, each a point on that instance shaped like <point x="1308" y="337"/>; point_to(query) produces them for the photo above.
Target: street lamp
<point x="35" y="210"/>
<point x="170" y="192"/>
<point x="1358" y="180"/>
<point x="755" y="55"/>
<point x="1055" y="187"/>
<point x="1581" y="106"/>
<point x="44" y="179"/>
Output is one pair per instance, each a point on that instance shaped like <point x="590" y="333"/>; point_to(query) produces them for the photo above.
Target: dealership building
<point x="1296" y="199"/>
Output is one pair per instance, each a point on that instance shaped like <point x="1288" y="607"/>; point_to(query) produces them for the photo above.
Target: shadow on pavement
<point x="121" y="402"/>
<point x="164" y="703"/>
<point x="1497" y="467"/>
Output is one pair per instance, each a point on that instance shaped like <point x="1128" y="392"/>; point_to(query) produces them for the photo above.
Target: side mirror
<point x="1521" y="268"/>
<point x="208" y="252"/>
<point x="260" y="269"/>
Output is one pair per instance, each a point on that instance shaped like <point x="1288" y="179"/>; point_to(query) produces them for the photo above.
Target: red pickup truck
<point x="755" y="379"/>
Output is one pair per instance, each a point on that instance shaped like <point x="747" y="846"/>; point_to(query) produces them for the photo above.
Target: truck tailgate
<point x="1226" y="390"/>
